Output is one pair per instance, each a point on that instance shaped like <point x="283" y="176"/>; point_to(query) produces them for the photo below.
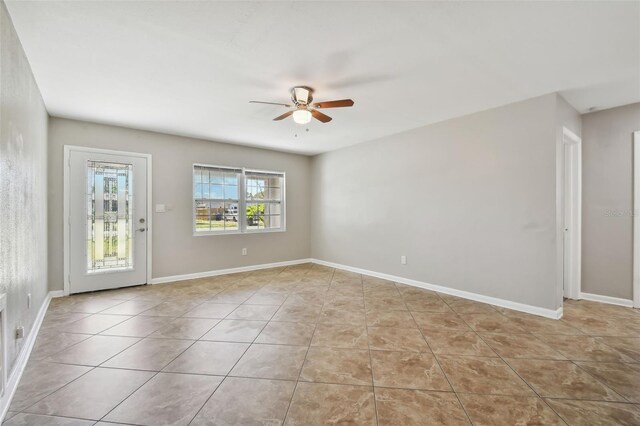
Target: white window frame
<point x="283" y="203"/>
<point x="242" y="213"/>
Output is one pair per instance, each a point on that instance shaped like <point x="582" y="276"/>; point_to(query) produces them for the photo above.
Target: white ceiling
<point x="190" y="68"/>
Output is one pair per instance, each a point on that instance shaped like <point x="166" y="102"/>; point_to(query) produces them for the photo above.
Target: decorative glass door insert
<point x="109" y="217"/>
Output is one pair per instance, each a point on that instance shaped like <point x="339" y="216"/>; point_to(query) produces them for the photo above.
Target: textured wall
<point x="470" y="201"/>
<point x="607" y="201"/>
<point x="23" y="186"/>
<point x="175" y="250"/>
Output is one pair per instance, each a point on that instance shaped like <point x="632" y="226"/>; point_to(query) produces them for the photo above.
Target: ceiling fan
<point x="303" y="109"/>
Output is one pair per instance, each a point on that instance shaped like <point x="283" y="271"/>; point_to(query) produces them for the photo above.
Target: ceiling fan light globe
<point x="302" y="116"/>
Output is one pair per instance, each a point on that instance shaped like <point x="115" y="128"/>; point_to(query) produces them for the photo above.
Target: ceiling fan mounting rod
<point x="301" y="95"/>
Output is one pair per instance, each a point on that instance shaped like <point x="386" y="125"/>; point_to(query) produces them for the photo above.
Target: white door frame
<point x="67" y="197"/>
<point x="573" y="166"/>
<point x="636" y="219"/>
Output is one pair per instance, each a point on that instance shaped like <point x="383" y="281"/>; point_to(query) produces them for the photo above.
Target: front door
<point x="107" y="196"/>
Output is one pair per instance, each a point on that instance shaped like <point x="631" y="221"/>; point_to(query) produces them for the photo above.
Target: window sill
<point x="261" y="231"/>
<point x="264" y="231"/>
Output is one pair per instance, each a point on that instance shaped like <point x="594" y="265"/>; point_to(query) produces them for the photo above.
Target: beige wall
<point x="607" y="201"/>
<point x="471" y="202"/>
<point x="23" y="187"/>
<point x="175" y="250"/>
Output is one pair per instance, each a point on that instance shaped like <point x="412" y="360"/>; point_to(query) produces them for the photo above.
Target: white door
<point x="107" y="207"/>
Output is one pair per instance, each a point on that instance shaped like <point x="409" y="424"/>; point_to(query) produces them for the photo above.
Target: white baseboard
<point x="56" y="293"/>
<point x="607" y="299"/>
<point x="23" y="357"/>
<point x="206" y="274"/>
<point x="529" y="309"/>
<point x="548" y="313"/>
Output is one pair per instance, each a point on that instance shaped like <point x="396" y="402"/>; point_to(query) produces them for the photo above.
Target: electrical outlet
<point x="403" y="260"/>
<point x="244" y="251"/>
<point x="28" y="300"/>
<point x="19" y="332"/>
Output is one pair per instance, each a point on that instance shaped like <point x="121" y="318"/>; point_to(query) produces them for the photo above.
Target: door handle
<point x="142" y="229"/>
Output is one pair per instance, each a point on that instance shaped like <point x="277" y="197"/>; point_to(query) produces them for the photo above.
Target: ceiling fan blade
<point x="334" y="104"/>
<point x="269" y="103"/>
<point x="283" y="116"/>
<point x="320" y="116"/>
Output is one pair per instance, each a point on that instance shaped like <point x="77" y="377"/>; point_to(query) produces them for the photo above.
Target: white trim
<point x="5" y="364"/>
<point x="575" y="223"/>
<point x="56" y="293"/>
<point x="149" y="216"/>
<point x="66" y="229"/>
<point x="572" y="137"/>
<point x="535" y="310"/>
<point x="206" y="274"/>
<point x="607" y="299"/>
<point x="636" y="219"/>
<point x="66" y="196"/>
<point x="23" y="357"/>
<point x="529" y="309"/>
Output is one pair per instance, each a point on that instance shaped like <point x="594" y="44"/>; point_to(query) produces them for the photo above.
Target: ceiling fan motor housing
<point x="302" y="95"/>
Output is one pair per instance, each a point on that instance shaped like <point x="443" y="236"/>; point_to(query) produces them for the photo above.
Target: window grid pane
<point x="263" y="200"/>
<point x="216" y="199"/>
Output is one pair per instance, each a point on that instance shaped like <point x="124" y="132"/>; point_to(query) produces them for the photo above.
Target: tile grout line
<point x="513" y="369"/>
<point x="237" y="284"/>
<point x="233" y="366"/>
<point x="238" y="360"/>
<point x="464" y="409"/>
<point x="554" y="360"/>
<point x="315" y="327"/>
<point x="56" y="390"/>
<point x="154" y="375"/>
<point x="98" y="366"/>
<point x="373" y="383"/>
<point x="92" y="367"/>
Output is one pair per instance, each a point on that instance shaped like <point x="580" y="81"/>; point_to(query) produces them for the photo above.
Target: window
<point x="263" y="200"/>
<point x="232" y="200"/>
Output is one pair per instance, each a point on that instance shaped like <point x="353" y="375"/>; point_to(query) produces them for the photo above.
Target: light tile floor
<point x="308" y="345"/>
